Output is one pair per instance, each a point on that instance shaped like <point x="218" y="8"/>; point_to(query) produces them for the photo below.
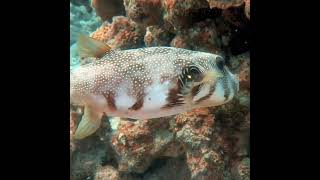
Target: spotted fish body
<point x="151" y="82"/>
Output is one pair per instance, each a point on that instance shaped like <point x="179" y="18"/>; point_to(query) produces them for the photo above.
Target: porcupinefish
<point x="146" y="83"/>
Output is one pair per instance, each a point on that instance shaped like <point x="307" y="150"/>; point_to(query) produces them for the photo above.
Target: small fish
<point x="146" y="83"/>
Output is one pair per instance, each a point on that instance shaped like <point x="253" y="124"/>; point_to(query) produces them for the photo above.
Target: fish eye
<point x="194" y="74"/>
<point x="220" y="63"/>
<point x="191" y="74"/>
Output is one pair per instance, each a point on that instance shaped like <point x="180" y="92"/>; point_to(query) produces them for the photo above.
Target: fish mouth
<point x="211" y="77"/>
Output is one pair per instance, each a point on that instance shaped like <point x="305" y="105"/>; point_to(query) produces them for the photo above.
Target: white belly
<point x="155" y="98"/>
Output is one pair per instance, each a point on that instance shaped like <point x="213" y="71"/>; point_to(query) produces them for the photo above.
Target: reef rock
<point x="203" y="36"/>
<point x="172" y="168"/>
<point x="106" y="9"/>
<point x="206" y="143"/>
<point x="157" y="36"/>
<point x="177" y="13"/>
<point x="122" y="33"/>
<point x="138" y="143"/>
<point x="144" y="12"/>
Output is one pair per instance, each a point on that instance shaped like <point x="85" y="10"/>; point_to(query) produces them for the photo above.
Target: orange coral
<point x="121" y="33"/>
<point x="106" y="9"/>
<point x="144" y="12"/>
<point x="140" y="142"/>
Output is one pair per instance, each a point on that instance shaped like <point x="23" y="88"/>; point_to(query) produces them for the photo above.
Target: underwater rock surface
<point x="106" y="9"/>
<point x="204" y="144"/>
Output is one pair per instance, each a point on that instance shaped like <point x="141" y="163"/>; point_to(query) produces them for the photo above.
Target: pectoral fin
<point x="89" y="123"/>
<point x="89" y="47"/>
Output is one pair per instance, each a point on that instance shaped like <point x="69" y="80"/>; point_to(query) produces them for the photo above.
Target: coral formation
<point x="144" y="12"/>
<point x="157" y="36"/>
<point x="106" y="9"/>
<point x="206" y="143"/>
<point x="138" y="143"/>
<point x="203" y="36"/>
<point x="194" y="129"/>
<point x="177" y="12"/>
<point x="121" y="33"/>
<point x="82" y="21"/>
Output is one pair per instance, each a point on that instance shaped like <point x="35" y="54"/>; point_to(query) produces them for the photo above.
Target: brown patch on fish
<point x="195" y="90"/>
<point x="212" y="89"/>
<point x="138" y="105"/>
<point x="175" y="97"/>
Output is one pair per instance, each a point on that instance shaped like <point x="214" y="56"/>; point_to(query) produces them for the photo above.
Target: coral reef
<point x="157" y="36"/>
<point x="138" y="143"/>
<point x="194" y="129"/>
<point x="177" y="12"/>
<point x="144" y="12"/>
<point x="121" y="33"/>
<point x="82" y="21"/>
<point x="106" y="9"/>
<point x="206" y="143"/>
<point x="202" y="37"/>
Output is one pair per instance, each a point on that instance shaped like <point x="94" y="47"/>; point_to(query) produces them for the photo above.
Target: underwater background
<point x="204" y="144"/>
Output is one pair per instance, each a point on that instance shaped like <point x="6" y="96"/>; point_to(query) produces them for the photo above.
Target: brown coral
<point x="106" y="9"/>
<point x="157" y="36"/>
<point x="144" y="12"/>
<point x="195" y="130"/>
<point x="205" y="164"/>
<point x="177" y="12"/>
<point x="121" y="33"/>
<point x="225" y="4"/>
<point x="179" y="41"/>
<point x="241" y="65"/>
<point x="203" y="36"/>
<point x="202" y="144"/>
<point x="138" y="143"/>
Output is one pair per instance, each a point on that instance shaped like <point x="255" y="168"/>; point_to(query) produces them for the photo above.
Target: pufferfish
<point x="146" y="83"/>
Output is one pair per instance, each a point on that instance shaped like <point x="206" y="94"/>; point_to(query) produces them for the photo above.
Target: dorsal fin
<point x="89" y="47"/>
